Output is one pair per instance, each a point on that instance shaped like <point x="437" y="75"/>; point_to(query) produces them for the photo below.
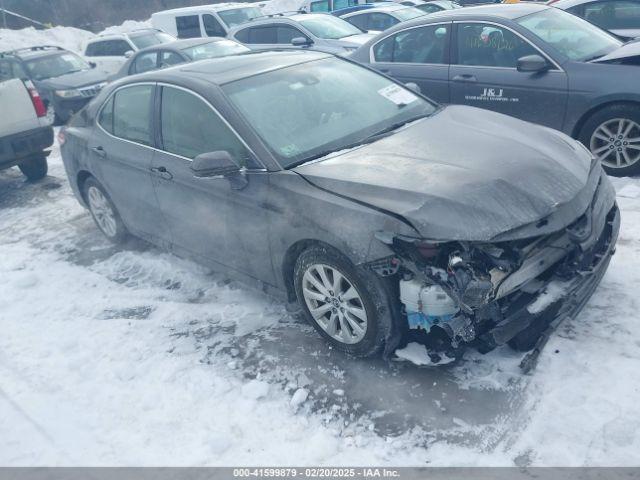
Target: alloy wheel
<point x="334" y="303"/>
<point x="616" y="143"/>
<point x="102" y="211"/>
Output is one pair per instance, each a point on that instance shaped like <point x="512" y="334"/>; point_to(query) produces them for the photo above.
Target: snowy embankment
<point x="135" y="357"/>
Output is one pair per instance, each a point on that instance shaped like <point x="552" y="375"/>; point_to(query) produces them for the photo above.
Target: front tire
<point x="345" y="305"/>
<point x="35" y="168"/>
<point x="104" y="212"/>
<point x="613" y="136"/>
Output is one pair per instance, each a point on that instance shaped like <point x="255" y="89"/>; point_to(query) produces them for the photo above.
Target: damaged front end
<point x="486" y="294"/>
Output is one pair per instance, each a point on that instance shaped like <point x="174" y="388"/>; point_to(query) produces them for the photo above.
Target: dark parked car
<point x="620" y="17"/>
<point x="339" y="188"/>
<point x="177" y="52"/>
<point x="65" y="81"/>
<point x="531" y="61"/>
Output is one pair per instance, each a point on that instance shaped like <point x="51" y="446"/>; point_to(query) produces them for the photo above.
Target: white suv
<point x="110" y="51"/>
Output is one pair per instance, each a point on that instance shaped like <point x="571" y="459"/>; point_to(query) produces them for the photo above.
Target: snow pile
<point x="127" y="26"/>
<point x="551" y="294"/>
<point x="69" y="38"/>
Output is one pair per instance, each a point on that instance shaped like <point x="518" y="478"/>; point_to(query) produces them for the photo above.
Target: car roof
<point x="385" y="8"/>
<point x="117" y="36"/>
<point x="37" y="52"/>
<point x="235" y="67"/>
<point x="564" y="4"/>
<point x="212" y="7"/>
<point x="485" y="12"/>
<point x="184" y="43"/>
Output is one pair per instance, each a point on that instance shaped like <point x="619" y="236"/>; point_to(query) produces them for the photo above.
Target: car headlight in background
<point x="73" y="93"/>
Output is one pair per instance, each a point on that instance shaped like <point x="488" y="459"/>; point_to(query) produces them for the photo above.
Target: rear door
<point x="419" y="55"/>
<point x="483" y="74"/>
<point x="208" y="217"/>
<point x="121" y="154"/>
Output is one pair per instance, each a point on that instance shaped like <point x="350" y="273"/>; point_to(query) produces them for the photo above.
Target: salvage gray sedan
<point x="352" y="196"/>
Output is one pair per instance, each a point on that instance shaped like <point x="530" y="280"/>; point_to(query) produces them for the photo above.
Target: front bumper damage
<point x="458" y="294"/>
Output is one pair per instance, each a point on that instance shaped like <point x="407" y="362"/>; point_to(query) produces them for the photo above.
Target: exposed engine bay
<point x="458" y="293"/>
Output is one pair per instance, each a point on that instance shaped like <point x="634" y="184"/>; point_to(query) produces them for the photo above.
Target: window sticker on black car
<point x="397" y="95"/>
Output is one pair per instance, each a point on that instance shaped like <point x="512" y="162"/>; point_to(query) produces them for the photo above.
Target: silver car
<point x="620" y="17"/>
<point x="315" y="31"/>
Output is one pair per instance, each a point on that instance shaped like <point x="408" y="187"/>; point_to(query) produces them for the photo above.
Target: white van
<point x="205" y="20"/>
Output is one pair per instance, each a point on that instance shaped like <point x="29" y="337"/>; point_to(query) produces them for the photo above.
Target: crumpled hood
<point x="76" y="79"/>
<point x="628" y="50"/>
<point x="466" y="174"/>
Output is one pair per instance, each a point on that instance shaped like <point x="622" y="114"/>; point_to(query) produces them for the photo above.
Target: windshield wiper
<point x="370" y="139"/>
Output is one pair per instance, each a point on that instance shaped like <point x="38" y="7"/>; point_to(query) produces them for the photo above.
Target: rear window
<point x="108" y="48"/>
<point x="214" y="49"/>
<point x="238" y="16"/>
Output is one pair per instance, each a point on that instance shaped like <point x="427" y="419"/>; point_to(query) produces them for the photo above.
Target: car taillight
<point x="61" y="137"/>
<point x="36" y="99"/>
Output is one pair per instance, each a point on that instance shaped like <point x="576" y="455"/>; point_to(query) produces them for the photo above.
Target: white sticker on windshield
<point x="397" y="95"/>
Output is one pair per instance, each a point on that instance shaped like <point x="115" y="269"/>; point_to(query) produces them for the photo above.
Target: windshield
<point x="570" y="35"/>
<point x="309" y="110"/>
<point x="238" y="16"/>
<point x="56" y="65"/>
<point x="150" y="39"/>
<point x="214" y="49"/>
<point x="329" y="27"/>
<point x="404" y="14"/>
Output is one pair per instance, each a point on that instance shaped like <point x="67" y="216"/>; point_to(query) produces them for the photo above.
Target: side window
<point x="320" y="6"/>
<point x="360" y="21"/>
<point x="381" y="21"/>
<point x="260" y="35"/>
<point x="429" y="8"/>
<point x="243" y="35"/>
<point x="188" y="26"/>
<point x="145" y="62"/>
<point x="167" y="59"/>
<point x="190" y="127"/>
<point x="212" y="26"/>
<point x="6" y="70"/>
<point x="95" y="49"/>
<point x="19" y="72"/>
<point x="417" y="45"/>
<point x="106" y="116"/>
<point x="116" y="48"/>
<point x="131" y="114"/>
<point x="487" y="45"/>
<point x="613" y="14"/>
<point x="286" y="33"/>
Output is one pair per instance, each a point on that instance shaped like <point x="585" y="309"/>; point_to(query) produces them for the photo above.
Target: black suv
<point x="65" y="81"/>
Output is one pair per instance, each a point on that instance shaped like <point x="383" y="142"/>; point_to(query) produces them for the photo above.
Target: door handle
<point x="163" y="172"/>
<point x="465" y="77"/>
<point x="99" y="151"/>
<point x="384" y="70"/>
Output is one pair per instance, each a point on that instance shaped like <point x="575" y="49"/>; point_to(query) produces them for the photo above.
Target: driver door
<point x="484" y="74"/>
<point x="211" y="218"/>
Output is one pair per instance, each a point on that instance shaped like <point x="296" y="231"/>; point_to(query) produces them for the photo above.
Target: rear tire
<point x="613" y="136"/>
<point x="349" y="305"/>
<point x="103" y="211"/>
<point x="35" y="168"/>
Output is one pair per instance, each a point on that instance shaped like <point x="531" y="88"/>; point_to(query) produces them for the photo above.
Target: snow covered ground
<point x="132" y="356"/>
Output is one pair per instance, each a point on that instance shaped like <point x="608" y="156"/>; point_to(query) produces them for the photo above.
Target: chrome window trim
<point x="163" y="84"/>
<point x="372" y="58"/>
<point x="535" y="47"/>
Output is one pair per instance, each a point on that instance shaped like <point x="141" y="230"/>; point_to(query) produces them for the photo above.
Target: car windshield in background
<point x="329" y="27"/>
<point x="310" y="110"/>
<point x="56" y="65"/>
<point x="238" y="16"/>
<point x="408" y="13"/>
<point x="150" y="39"/>
<point x="570" y="35"/>
<point x="221" y="48"/>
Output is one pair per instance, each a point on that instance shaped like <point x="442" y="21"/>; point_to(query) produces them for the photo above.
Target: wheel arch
<point x="81" y="178"/>
<point x="577" y="129"/>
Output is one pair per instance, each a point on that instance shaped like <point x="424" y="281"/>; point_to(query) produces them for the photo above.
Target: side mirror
<point x="300" y="42"/>
<point x="214" y="164"/>
<point x="93" y="64"/>
<point x="413" y="86"/>
<point x="128" y="54"/>
<point x="532" y="63"/>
